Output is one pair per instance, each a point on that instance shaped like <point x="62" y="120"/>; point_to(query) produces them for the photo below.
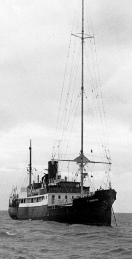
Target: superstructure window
<point x="66" y="197"/>
<point x="59" y="197"/>
<point x="53" y="199"/>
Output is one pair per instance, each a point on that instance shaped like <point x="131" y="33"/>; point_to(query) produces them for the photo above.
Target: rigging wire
<point x="66" y="113"/>
<point x="65" y="110"/>
<point x="64" y="81"/>
<point x="69" y="137"/>
<point x="63" y="85"/>
<point x="96" y="57"/>
<point x="64" y="116"/>
<point x="114" y="216"/>
<point x="94" y="125"/>
<point x="61" y="99"/>
<point x="96" y="132"/>
<point x="102" y="182"/>
<point x="97" y="107"/>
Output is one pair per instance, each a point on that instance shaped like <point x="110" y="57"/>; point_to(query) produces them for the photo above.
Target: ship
<point x="60" y="198"/>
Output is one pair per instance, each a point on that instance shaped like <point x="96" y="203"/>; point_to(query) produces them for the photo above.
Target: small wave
<point x="7" y="234"/>
<point x="44" y="250"/>
<point x="74" y="257"/>
<point x="21" y="257"/>
<point x="117" y="250"/>
<point x="10" y="234"/>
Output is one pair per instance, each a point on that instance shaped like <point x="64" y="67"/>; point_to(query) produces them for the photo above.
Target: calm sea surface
<point x="38" y="239"/>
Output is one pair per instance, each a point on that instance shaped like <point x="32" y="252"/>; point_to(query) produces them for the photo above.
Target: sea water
<point x="38" y="239"/>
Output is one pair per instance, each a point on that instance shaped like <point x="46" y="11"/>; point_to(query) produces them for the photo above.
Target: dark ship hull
<point x="92" y="210"/>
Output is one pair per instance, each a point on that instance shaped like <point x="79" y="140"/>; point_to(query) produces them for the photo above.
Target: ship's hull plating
<point x="94" y="210"/>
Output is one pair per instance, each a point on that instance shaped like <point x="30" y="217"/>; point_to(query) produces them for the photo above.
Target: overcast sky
<point x="34" y="38"/>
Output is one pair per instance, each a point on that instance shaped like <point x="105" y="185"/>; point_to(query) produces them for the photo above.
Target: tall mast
<point x="30" y="163"/>
<point x="82" y="91"/>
